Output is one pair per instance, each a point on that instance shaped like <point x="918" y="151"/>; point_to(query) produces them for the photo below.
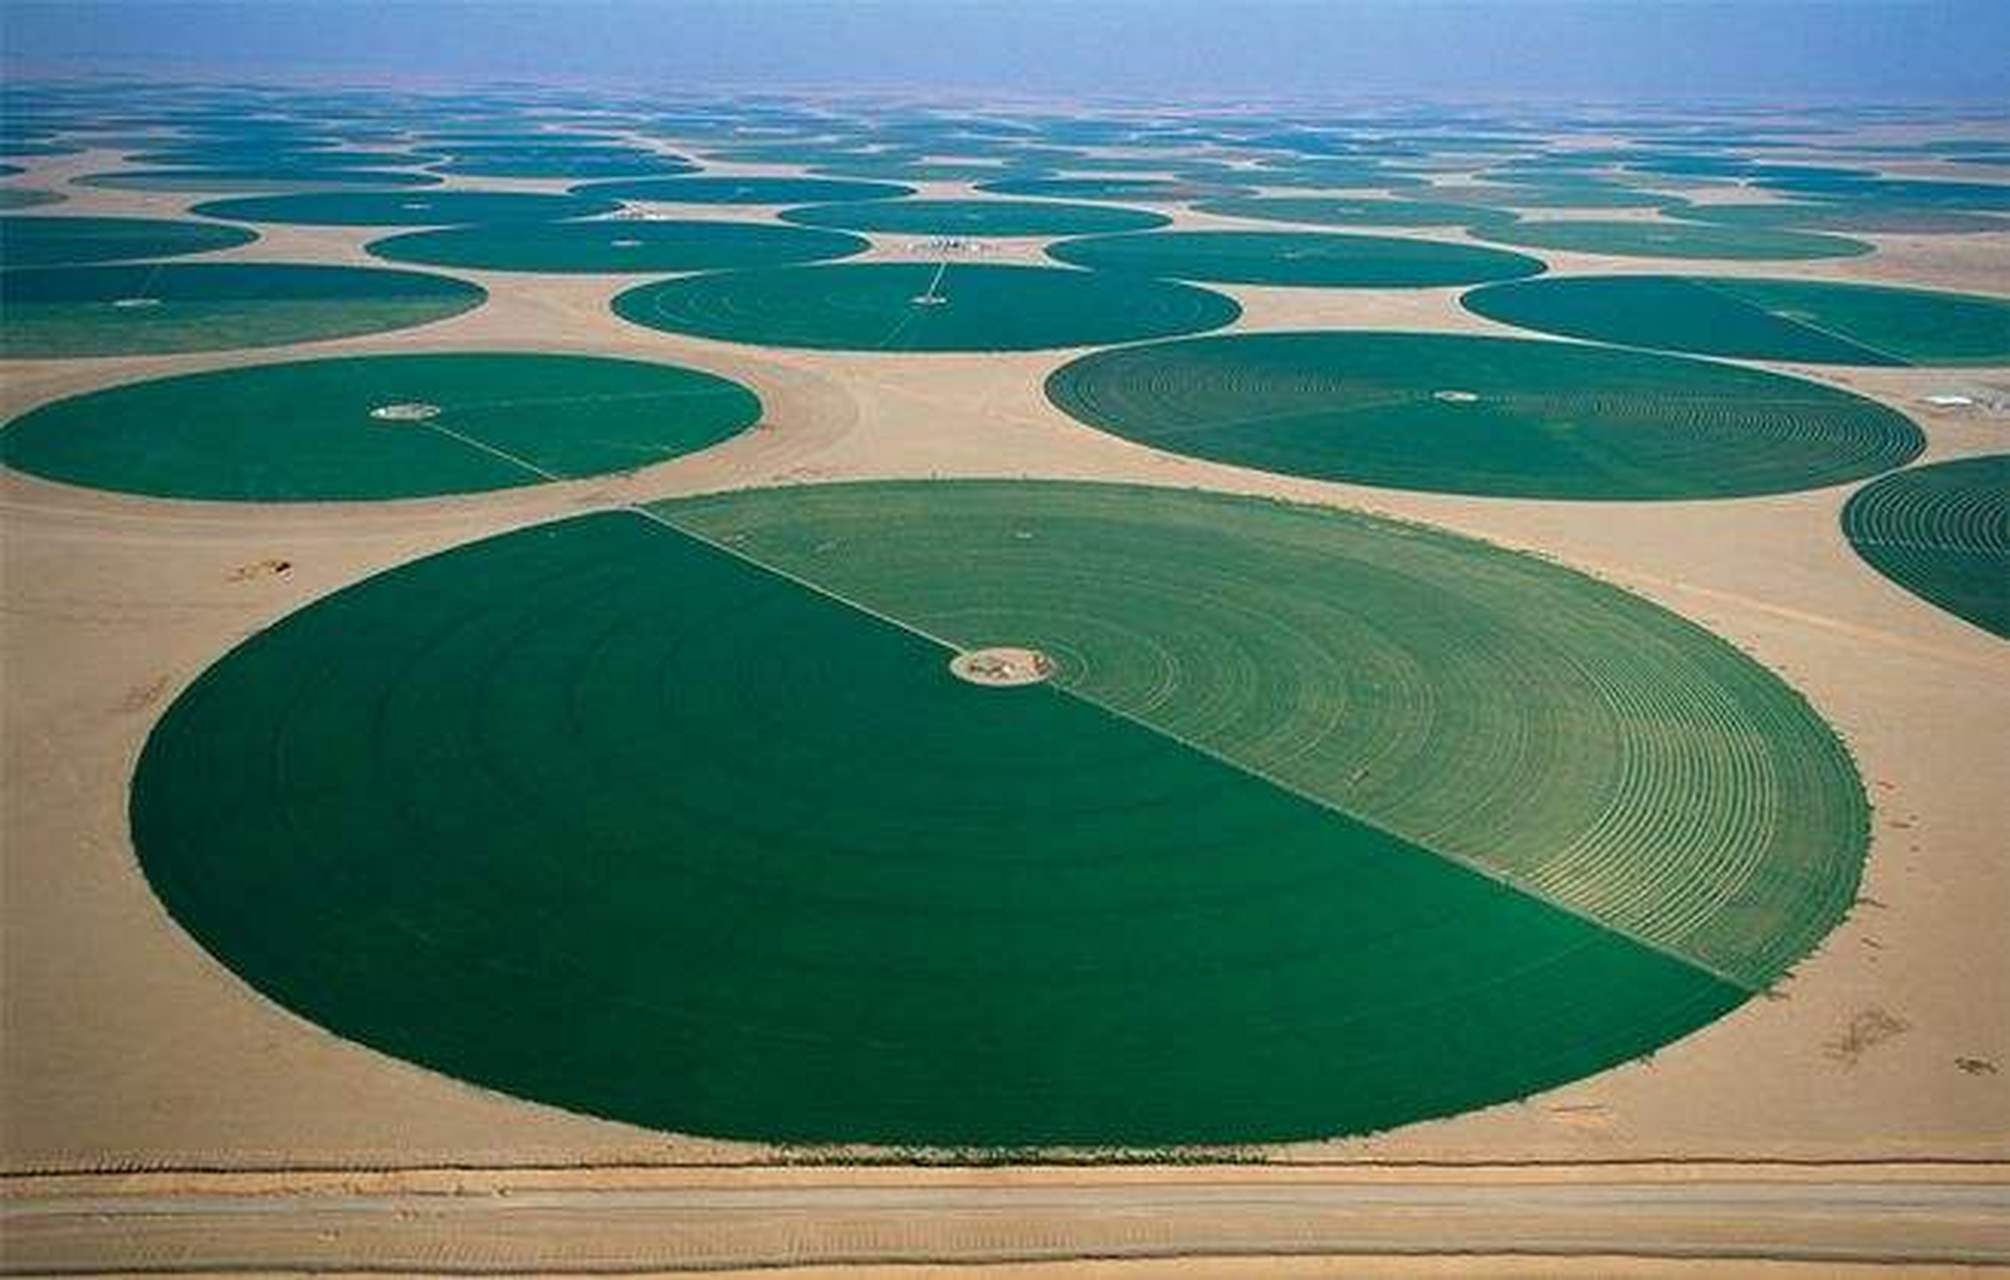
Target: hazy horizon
<point x="1675" y="51"/>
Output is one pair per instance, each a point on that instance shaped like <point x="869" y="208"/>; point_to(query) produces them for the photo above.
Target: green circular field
<point x="1661" y="239"/>
<point x="268" y="178"/>
<point x="1323" y="825"/>
<point x="617" y="245"/>
<point x="895" y="306"/>
<point x="28" y="197"/>
<point x="405" y="208"/>
<point x="1497" y="416"/>
<point x="975" y="217"/>
<point x="1871" y="219"/>
<point x="154" y="308"/>
<point x="1313" y="258"/>
<point x="578" y="163"/>
<point x="1943" y="533"/>
<point x="1337" y="211"/>
<point x="377" y="427"/>
<point x="1150" y="190"/>
<point x="1760" y="319"/>
<point x="743" y="190"/>
<point x="59" y="241"/>
<point x="1567" y="195"/>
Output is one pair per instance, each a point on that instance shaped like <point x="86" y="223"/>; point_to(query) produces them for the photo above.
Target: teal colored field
<point x="975" y="217"/>
<point x="1760" y="319"/>
<point x="28" y="197"/>
<point x="1337" y="211"/>
<point x="405" y="208"/>
<point x="617" y="245"/>
<point x="899" y="169"/>
<point x="1523" y="718"/>
<point x="1497" y="416"/>
<point x="1943" y="533"/>
<point x="745" y="189"/>
<point x="1301" y="258"/>
<point x="891" y="306"/>
<point x="1865" y="218"/>
<point x="275" y="178"/>
<point x="155" y="308"/>
<point x="375" y="427"/>
<point x="59" y="241"/>
<point x="577" y="163"/>
<point x="1662" y="239"/>
<point x="1510" y="195"/>
<point x="814" y="888"/>
<point x="1149" y="190"/>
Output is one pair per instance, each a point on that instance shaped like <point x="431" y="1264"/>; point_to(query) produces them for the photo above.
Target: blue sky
<point x="1884" y="50"/>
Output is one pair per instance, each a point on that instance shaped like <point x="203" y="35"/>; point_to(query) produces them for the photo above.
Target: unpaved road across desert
<point x="639" y="1219"/>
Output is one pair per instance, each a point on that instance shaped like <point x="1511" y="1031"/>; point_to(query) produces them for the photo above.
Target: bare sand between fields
<point x="1887" y="1043"/>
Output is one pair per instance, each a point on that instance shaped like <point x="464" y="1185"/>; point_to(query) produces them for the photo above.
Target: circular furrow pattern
<point x="1943" y="533"/>
<point x="1506" y="713"/>
<point x="611" y="814"/>
<point x="1484" y="415"/>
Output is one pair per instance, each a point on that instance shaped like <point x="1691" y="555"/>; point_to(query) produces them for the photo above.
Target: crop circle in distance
<point x="1752" y="318"/>
<point x="374" y="427"/>
<point x="923" y="306"/>
<point x="616" y="246"/>
<point x="978" y="218"/>
<point x="151" y="308"/>
<point x="1301" y="258"/>
<point x="1504" y="417"/>
<point x="47" y="241"/>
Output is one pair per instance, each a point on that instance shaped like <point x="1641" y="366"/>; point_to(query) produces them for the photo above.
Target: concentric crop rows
<point x="604" y="817"/>
<point x="1943" y="533"/>
<point x="1484" y="415"/>
<point x="1569" y="737"/>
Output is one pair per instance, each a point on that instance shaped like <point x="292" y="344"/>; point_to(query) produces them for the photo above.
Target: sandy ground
<point x="125" y="1047"/>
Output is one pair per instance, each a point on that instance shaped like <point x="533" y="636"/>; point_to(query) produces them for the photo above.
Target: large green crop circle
<point x="976" y="217"/>
<point x="1498" y="416"/>
<point x="745" y="189"/>
<point x="1759" y="319"/>
<point x="1295" y="258"/>
<point x="1325" y="824"/>
<point x="247" y="178"/>
<point x="1338" y="211"/>
<point x="405" y="208"/>
<point x="57" y="241"/>
<point x="1646" y="238"/>
<point x="1943" y="533"/>
<point x="153" y="308"/>
<point x="613" y="245"/>
<point x="898" y="306"/>
<point x="377" y="426"/>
